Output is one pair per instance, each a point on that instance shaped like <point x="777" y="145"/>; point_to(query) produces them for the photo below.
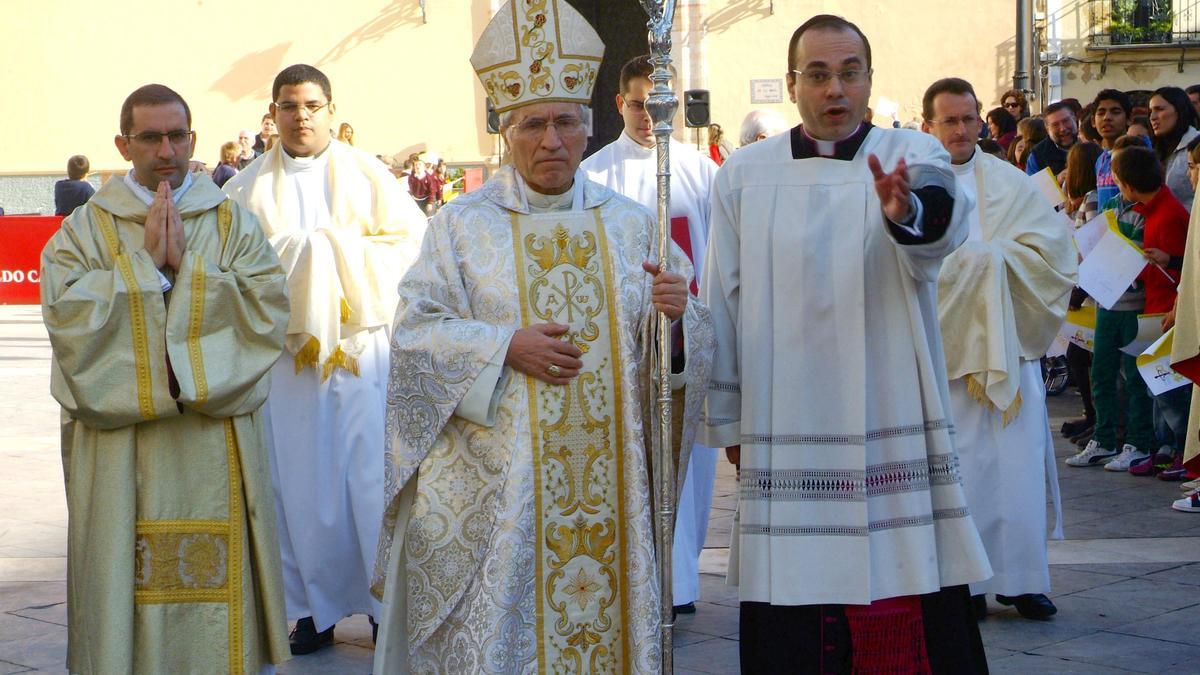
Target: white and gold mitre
<point x="536" y="51"/>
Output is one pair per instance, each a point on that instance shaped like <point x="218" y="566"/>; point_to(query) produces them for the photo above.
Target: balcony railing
<point x="1147" y="23"/>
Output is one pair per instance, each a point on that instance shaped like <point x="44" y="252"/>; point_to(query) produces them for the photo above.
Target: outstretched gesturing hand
<point x="538" y="352"/>
<point x="892" y="188"/>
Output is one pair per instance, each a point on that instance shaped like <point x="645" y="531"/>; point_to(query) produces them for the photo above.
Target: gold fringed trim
<point x="978" y="392"/>
<point x="339" y="359"/>
<point x="346" y="311"/>
<point x="195" y="324"/>
<point x="308" y="355"/>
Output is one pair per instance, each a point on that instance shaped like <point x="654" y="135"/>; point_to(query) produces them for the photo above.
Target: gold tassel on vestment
<point x="339" y="359"/>
<point x="978" y="392"/>
<point x="308" y="355"/>
<point x="346" y="312"/>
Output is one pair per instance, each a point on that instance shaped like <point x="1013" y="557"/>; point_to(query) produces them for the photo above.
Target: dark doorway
<point x="622" y="26"/>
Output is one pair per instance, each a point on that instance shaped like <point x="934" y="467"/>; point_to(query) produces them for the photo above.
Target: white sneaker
<point x="1189" y="504"/>
<point x="1129" y="455"/>
<point x="1091" y="455"/>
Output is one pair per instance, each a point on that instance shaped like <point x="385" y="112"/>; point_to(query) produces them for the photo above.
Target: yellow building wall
<point x="67" y="65"/>
<point x="403" y="83"/>
<point x="1083" y="72"/>
<point x="913" y="44"/>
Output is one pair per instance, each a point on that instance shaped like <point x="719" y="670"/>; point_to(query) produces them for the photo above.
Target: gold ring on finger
<point x="553" y="370"/>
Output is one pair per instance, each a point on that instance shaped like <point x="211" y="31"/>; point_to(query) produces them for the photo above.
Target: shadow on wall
<point x="251" y="75"/>
<point x="724" y="19"/>
<point x="1006" y="66"/>
<point x="396" y="14"/>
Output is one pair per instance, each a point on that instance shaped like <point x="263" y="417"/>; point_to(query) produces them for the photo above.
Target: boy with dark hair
<point x="74" y="191"/>
<point x="1165" y="224"/>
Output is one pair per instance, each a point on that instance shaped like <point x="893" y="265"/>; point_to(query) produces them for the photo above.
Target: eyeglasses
<point x="535" y="127"/>
<point x="152" y="139"/>
<point x="292" y="108"/>
<point x="635" y="105"/>
<point x="953" y="122"/>
<point x="820" y="77"/>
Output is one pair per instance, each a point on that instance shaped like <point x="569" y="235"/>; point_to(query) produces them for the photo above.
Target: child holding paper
<point x="1115" y="328"/>
<point x="1139" y="176"/>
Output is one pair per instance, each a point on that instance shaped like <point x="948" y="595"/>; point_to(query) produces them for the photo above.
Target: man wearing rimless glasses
<point x="166" y="306"/>
<point x="345" y="232"/>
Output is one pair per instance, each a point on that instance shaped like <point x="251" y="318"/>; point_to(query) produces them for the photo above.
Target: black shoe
<point x="689" y="608"/>
<point x="979" y="606"/>
<point x="1074" y="427"/>
<point x="1081" y="439"/>
<point x="374" y="630"/>
<point x="304" y="638"/>
<point x="1030" y="605"/>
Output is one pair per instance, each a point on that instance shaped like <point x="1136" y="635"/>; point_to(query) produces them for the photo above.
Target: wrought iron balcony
<point x="1144" y="23"/>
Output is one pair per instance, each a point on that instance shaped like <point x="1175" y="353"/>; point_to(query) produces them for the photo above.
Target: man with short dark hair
<point x="1002" y="297"/>
<point x="1062" y="129"/>
<point x="854" y="545"/>
<point x="629" y="165"/>
<point x="73" y="192"/>
<point x="266" y="132"/>
<point x="162" y="347"/>
<point x="1112" y="110"/>
<point x="345" y="233"/>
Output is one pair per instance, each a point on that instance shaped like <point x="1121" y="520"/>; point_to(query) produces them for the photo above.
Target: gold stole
<point x="563" y="276"/>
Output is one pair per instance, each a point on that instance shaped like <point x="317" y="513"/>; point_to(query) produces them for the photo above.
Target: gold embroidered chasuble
<point x="525" y="545"/>
<point x="171" y="522"/>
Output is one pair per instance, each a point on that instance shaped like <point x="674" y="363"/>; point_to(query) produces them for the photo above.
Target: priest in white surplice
<point x="629" y="166"/>
<point x="854" y="543"/>
<point x="345" y="232"/>
<point x="518" y="534"/>
<point x="1002" y="297"/>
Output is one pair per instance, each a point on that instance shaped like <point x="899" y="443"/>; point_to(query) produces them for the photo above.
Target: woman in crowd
<point x="228" y="166"/>
<point x="1015" y="103"/>
<point x="1002" y="127"/>
<point x="345" y="133"/>
<point x="1172" y="122"/>
<point x="1030" y="132"/>
<point x="718" y="148"/>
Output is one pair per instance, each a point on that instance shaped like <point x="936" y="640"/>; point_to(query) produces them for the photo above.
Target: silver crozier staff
<point x="661" y="105"/>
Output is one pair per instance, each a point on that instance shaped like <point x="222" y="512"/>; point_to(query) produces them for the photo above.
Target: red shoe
<point x="1176" y="472"/>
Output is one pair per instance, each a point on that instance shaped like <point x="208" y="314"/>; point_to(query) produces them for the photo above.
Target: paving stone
<point x="8" y="668"/>
<point x="1064" y="580"/>
<point x="46" y="650"/>
<point x="21" y="595"/>
<point x="55" y="613"/>
<point x="717" y="655"/>
<point x="1030" y="664"/>
<point x="1127" y="570"/>
<point x="1076" y="617"/>
<point x="1164" y="596"/>
<point x="340" y="658"/>
<point x="1184" y="574"/>
<point x="1181" y="626"/>
<point x="1130" y="652"/>
<point x="710" y="619"/>
<point x="683" y="638"/>
<point x="713" y="589"/>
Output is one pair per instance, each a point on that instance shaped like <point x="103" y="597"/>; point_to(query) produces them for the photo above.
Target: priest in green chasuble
<point x="518" y="535"/>
<point x="166" y="307"/>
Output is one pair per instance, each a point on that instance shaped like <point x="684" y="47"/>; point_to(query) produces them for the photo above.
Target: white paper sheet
<point x="1090" y="232"/>
<point x="1149" y="331"/>
<point x="1154" y="365"/>
<point x="1107" y="272"/>
<point x="1047" y="184"/>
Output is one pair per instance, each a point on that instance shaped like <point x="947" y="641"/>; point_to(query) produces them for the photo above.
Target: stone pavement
<point x="1126" y="581"/>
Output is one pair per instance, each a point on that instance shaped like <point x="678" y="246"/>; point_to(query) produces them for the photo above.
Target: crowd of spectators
<point x="1138" y="160"/>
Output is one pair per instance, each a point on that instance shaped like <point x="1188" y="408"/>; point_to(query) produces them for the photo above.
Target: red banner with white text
<point x="22" y="239"/>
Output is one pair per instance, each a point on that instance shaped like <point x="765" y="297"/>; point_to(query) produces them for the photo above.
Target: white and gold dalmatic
<point x="172" y="560"/>
<point x="518" y="536"/>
